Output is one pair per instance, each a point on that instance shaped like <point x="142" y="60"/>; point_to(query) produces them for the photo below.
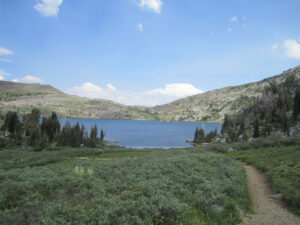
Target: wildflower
<point x="90" y="172"/>
<point x="79" y="171"/>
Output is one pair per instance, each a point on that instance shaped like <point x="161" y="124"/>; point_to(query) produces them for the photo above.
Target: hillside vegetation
<point x="213" y="105"/>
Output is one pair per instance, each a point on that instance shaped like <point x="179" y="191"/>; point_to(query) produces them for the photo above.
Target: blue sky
<point x="146" y="52"/>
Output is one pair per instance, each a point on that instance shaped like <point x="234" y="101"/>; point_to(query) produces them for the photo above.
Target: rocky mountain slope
<point x="213" y="105"/>
<point x="209" y="106"/>
<point x="23" y="97"/>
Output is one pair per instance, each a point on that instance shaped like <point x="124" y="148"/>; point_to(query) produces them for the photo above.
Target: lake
<point x="145" y="134"/>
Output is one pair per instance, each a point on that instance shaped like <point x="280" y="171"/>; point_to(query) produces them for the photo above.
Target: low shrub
<point x="164" y="187"/>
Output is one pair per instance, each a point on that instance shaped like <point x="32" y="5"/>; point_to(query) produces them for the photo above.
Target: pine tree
<point x="93" y="139"/>
<point x="19" y="134"/>
<point x="102" y="134"/>
<point x="210" y="136"/>
<point x="82" y="134"/>
<point x="285" y="124"/>
<point x="225" y="125"/>
<point x="242" y="127"/>
<point x="54" y="126"/>
<point x="31" y="121"/>
<point x="196" y="135"/>
<point x="216" y="132"/>
<point x="256" y="133"/>
<point x="201" y="136"/>
<point x="296" y="110"/>
<point x="12" y="123"/>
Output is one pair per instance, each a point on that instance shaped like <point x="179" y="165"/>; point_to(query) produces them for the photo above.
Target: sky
<point x="146" y="52"/>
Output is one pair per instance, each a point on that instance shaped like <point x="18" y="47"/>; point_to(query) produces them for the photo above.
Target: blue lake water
<point x="145" y="134"/>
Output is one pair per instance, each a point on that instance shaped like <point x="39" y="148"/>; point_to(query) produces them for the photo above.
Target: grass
<point x="24" y="156"/>
<point x="114" y="185"/>
<point x="282" y="165"/>
<point x="255" y="144"/>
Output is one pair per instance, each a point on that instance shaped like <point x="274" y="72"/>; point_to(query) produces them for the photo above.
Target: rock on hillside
<point x="213" y="105"/>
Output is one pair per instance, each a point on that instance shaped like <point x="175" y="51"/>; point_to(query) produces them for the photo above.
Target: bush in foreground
<point x="169" y="187"/>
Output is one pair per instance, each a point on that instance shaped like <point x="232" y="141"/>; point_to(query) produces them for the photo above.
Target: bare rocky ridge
<point x="209" y="106"/>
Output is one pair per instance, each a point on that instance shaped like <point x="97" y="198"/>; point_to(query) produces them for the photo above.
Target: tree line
<point x="201" y="137"/>
<point x="32" y="131"/>
<point x="276" y="112"/>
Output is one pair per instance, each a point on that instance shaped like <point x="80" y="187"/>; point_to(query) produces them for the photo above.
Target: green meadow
<point x="113" y="185"/>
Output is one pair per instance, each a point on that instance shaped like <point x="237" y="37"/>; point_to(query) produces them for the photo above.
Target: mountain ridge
<point x="213" y="105"/>
<point x="209" y="106"/>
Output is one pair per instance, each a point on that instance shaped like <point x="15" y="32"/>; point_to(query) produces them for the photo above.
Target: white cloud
<point x="16" y="80"/>
<point x="292" y="48"/>
<point x="234" y="19"/>
<point x="153" y="97"/>
<point x="176" y="90"/>
<point x="229" y="29"/>
<point x="274" y="47"/>
<point x="48" y="7"/>
<point x="153" y="5"/>
<point x="89" y="90"/>
<point x="4" y="73"/>
<point x="5" y="60"/>
<point x="1" y="77"/>
<point x="31" y="79"/>
<point x="5" y="51"/>
<point x="140" y="27"/>
<point x="111" y="87"/>
<point x="244" y="18"/>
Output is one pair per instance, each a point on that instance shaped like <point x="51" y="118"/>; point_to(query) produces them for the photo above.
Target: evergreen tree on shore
<point x="102" y="134"/>
<point x="93" y="139"/>
<point x="11" y="122"/>
<point x="32" y="132"/>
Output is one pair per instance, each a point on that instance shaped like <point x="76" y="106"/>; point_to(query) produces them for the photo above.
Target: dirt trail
<point x="267" y="211"/>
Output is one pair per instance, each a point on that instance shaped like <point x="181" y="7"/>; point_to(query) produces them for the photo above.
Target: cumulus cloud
<point x="16" y="80"/>
<point x="292" y="48"/>
<point x="111" y="87"/>
<point x="140" y="27"/>
<point x="176" y="90"/>
<point x="1" y="77"/>
<point x="234" y="19"/>
<point x="4" y="73"/>
<point x="153" y="97"/>
<point x="86" y="90"/>
<point x="31" y="79"/>
<point x="48" y="8"/>
<point x="153" y="5"/>
<point x="274" y="47"/>
<point x="5" y="51"/>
